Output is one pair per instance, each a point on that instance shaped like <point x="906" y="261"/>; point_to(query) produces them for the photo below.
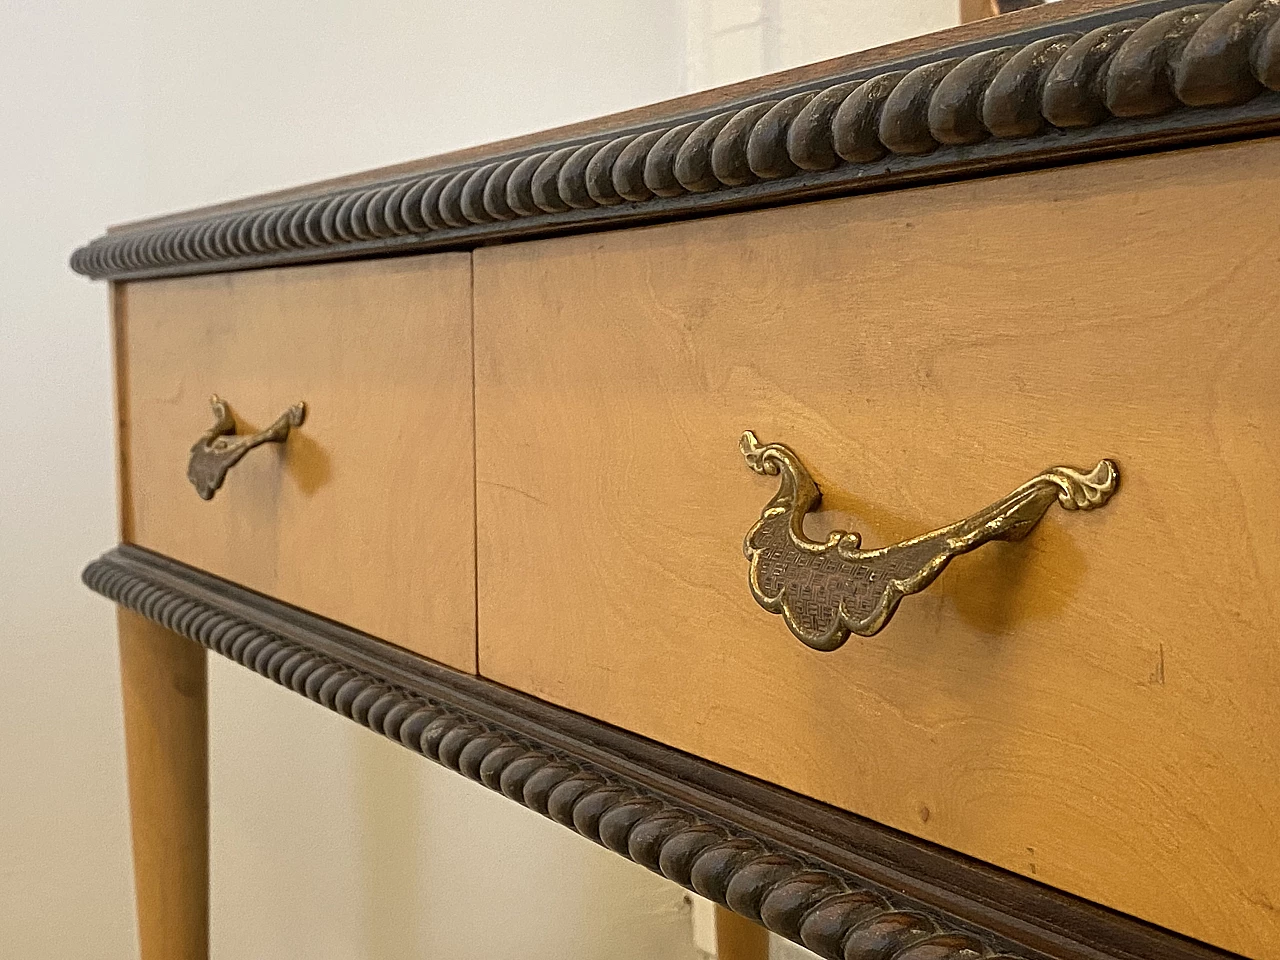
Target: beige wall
<point x="68" y="147"/>
<point x="328" y="841"/>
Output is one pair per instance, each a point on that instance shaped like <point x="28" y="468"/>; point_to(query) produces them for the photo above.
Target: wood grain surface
<point x="737" y="938"/>
<point x="165" y="716"/>
<point x="973" y="10"/>
<point x="1097" y="707"/>
<point x="366" y="513"/>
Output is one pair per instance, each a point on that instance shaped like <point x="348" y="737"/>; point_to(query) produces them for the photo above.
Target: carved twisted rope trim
<point x="1204" y="57"/>
<point x="830" y="914"/>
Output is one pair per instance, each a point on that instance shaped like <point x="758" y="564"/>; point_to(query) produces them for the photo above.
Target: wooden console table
<point x="491" y="434"/>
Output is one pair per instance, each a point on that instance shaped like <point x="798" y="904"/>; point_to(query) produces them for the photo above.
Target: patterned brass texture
<point x="826" y="590"/>
<point x="219" y="448"/>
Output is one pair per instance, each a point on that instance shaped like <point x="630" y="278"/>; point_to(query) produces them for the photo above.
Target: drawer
<point x="1096" y="706"/>
<point x="365" y="514"/>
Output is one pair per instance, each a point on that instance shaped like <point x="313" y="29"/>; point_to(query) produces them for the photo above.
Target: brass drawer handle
<point x="219" y="449"/>
<point x="827" y="590"/>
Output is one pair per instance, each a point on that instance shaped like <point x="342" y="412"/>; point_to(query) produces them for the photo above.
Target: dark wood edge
<point x="597" y="127"/>
<point x="1151" y="75"/>
<point x="842" y="886"/>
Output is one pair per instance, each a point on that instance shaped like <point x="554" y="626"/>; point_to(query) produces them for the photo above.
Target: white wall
<point x="327" y="841"/>
<point x="730" y="40"/>
<point x="69" y="136"/>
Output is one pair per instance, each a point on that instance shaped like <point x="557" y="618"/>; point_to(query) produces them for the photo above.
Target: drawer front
<point x="365" y="514"/>
<point x="1096" y="706"/>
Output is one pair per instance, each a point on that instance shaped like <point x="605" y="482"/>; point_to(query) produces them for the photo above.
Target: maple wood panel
<point x="365" y="514"/>
<point x="1098" y="706"/>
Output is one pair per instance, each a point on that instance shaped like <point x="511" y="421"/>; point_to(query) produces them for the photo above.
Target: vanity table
<point x="544" y="458"/>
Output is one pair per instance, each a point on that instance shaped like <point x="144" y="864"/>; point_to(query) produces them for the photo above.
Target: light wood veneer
<point x="163" y="685"/>
<point x="365" y="515"/>
<point x="1097" y="707"/>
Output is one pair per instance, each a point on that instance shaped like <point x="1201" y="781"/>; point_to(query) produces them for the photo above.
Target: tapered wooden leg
<point x="737" y="938"/>
<point x="163" y="684"/>
<point x="971" y="10"/>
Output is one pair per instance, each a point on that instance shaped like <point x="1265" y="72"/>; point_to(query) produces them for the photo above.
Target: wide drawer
<point x="1097" y="706"/>
<point x="365" y="513"/>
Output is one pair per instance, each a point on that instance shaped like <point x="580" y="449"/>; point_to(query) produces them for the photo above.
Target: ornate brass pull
<point x="219" y="449"/>
<point x="827" y="590"/>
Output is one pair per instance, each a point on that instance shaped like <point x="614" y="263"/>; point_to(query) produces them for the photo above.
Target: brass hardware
<point x="218" y="449"/>
<point x="827" y="590"/>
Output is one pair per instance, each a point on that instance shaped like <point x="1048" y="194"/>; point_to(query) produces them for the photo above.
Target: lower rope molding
<point x="841" y="886"/>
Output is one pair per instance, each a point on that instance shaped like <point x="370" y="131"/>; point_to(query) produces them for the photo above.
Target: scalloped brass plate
<point x="826" y="590"/>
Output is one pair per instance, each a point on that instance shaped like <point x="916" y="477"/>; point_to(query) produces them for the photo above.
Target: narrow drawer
<point x="1096" y="706"/>
<point x="365" y="514"/>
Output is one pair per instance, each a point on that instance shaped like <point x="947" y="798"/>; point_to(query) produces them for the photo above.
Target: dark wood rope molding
<point x="842" y="886"/>
<point x="1154" y="74"/>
